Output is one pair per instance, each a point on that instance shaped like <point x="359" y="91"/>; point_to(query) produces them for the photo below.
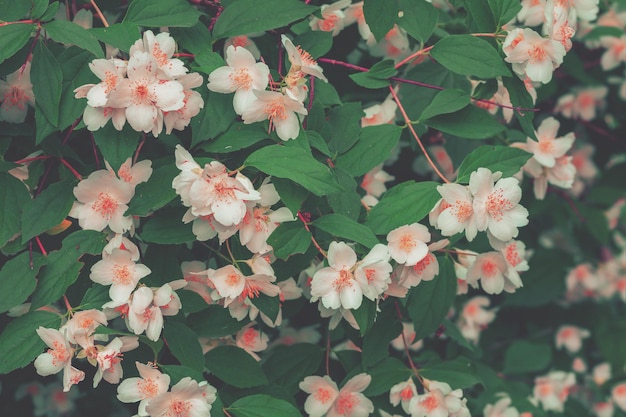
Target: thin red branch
<point x="72" y="170"/>
<point x="306" y="226"/>
<point x="99" y="13"/>
<point x="41" y="248"/>
<point x="406" y="347"/>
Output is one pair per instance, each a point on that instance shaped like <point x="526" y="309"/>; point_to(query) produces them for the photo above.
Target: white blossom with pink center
<point x="186" y="399"/>
<point x="514" y="253"/>
<point x="144" y="96"/>
<point x="326" y="399"/>
<point x="251" y="340"/>
<point x="120" y="272"/>
<point x="615" y="52"/>
<point x="601" y="373"/>
<point x="102" y="201"/>
<point x="111" y="72"/>
<point x="301" y="63"/>
<point x="380" y="114"/>
<point x="395" y="45"/>
<point x="244" y="41"/>
<point x="501" y="99"/>
<point x="108" y="360"/>
<point x="549" y="148"/>
<point x="280" y="109"/>
<point x="333" y="17"/>
<point x="552" y="390"/>
<point x="455" y="212"/>
<point x="491" y="269"/>
<point x="192" y="103"/>
<point x="439" y="401"/>
<point x="562" y="175"/>
<point x="241" y="75"/>
<point x="162" y="47"/>
<point x="502" y="408"/>
<point x="197" y="276"/>
<point x="83" y="324"/>
<point x="402" y="393"/>
<point x="374" y="184"/>
<point x="407" y="244"/>
<point x="132" y="174"/>
<point x="16" y="93"/>
<point x="150" y="384"/>
<point x="532" y="55"/>
<point x="571" y="338"/>
<point x="496" y="206"/>
<point x="354" y="13"/>
<point x="532" y="12"/>
<point x="408" y="335"/>
<point x="336" y="284"/>
<point x="59" y="355"/>
<point x="475" y="318"/>
<point x="583" y="103"/>
<point x="618" y="394"/>
<point x="373" y="272"/>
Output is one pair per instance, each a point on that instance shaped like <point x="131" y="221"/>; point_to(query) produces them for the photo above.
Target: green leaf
<point x="116" y="145"/>
<point x="47" y="210"/>
<point x="235" y="367"/>
<point x="43" y="126"/>
<point x="316" y="43"/>
<point x="167" y="228"/>
<point x="524" y="357"/>
<point x="601" y="31"/>
<point x="378" y="76"/>
<point x="326" y="94"/>
<point x="504" y="10"/>
<point x="480" y="15"/>
<point x="20" y="344"/>
<point x="376" y="342"/>
<point x="469" y="122"/>
<point x="95" y="297"/>
<point x="13" y="196"/>
<point x="262" y="406"/>
<point x="385" y="375"/>
<point x="373" y="148"/>
<point x="505" y="159"/>
<point x="429" y="302"/>
<point x="47" y="78"/>
<point x="245" y="16"/>
<point x="380" y="16"/>
<point x="446" y="101"/>
<point x="17" y="279"/>
<point x="469" y="55"/>
<point x="405" y="203"/>
<point x="345" y="126"/>
<point x="453" y="332"/>
<point x="291" y="195"/>
<point x="458" y="373"/>
<point x="347" y="202"/>
<point x="365" y="315"/>
<point x="419" y="18"/>
<point x="155" y="193"/>
<point x="118" y="35"/>
<point x="12" y="10"/>
<point x="195" y="39"/>
<point x="213" y="119"/>
<point x="178" y="372"/>
<point x="611" y="340"/>
<point x="208" y="61"/>
<point x="346" y="228"/>
<point x="13" y="38"/>
<point x="70" y="33"/>
<point x="174" y="13"/>
<point x="237" y="137"/>
<point x="288" y="239"/>
<point x="50" y="11"/>
<point x="295" y="164"/>
<point x="40" y="7"/>
<point x="521" y="98"/>
<point x="184" y="345"/>
<point x="214" y="321"/>
<point x="288" y="365"/>
<point x="63" y="265"/>
<point x="270" y="306"/>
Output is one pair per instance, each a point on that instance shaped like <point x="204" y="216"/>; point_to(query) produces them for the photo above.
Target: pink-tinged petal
<point x="341" y="256"/>
<point x="289" y="127"/>
<point x="493" y="284"/>
<point x="242" y="101"/>
<point x="155" y="325"/>
<point x="351" y="295"/>
<point x="220" y="80"/>
<point x="229" y="211"/>
<point x="97" y="96"/>
<point x="237" y="56"/>
<point x="357" y="383"/>
<point x="141" y="117"/>
<point x="46" y="364"/>
<point x="169" y="95"/>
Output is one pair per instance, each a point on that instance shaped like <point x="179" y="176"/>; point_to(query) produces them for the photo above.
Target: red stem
<point x="72" y="170"/>
<point x="406" y="347"/>
<point x="306" y="226"/>
<point x="41" y="248"/>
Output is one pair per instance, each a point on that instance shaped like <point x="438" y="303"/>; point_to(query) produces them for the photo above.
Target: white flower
<point x="571" y="338"/>
<point x="16" y="93"/>
<point x="532" y="55"/>
<point x="336" y="284"/>
<point x="280" y="109"/>
<point x="150" y="384"/>
<point x="407" y="244"/>
<point x="120" y="272"/>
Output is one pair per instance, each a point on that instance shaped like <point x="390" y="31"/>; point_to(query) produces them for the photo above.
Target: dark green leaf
<point x="295" y="164"/>
<point x="480" y="15"/>
<point x="70" y="33"/>
<point x="245" y="16"/>
<point x="177" y="372"/>
<point x="13" y="38"/>
<point x="380" y="16"/>
<point x="195" y="39"/>
<point x="292" y="195"/>
<point x="13" y="196"/>
<point x="12" y="10"/>
<point x="469" y="55"/>
<point x="429" y="302"/>
<point x="469" y="122"/>
<point x="50" y="11"/>
<point x="174" y="13"/>
<point x="270" y="306"/>
<point x="505" y="159"/>
<point x="376" y="342"/>
<point x="600" y="31"/>
<point x="167" y="228"/>
<point x="345" y="126"/>
<point x="95" y="297"/>
<point x="453" y="332"/>
<point x="43" y="126"/>
<point x="405" y="203"/>
<point x="20" y="344"/>
<point x="47" y="210"/>
<point x="385" y="375"/>
<point x="326" y="94"/>
<point x="116" y="145"/>
<point x="17" y="279"/>
<point x="419" y="18"/>
<point x="446" y="101"/>
<point x="235" y="367"/>
<point x="377" y="77"/>
<point x="63" y="265"/>
<point x="262" y="406"/>
<point x="184" y="345"/>
<point x="237" y="137"/>
<point x="288" y="365"/>
<point x="208" y="61"/>
<point x="365" y="315"/>
<point x="347" y="202"/>
<point x="214" y="321"/>
<point x="40" y="7"/>
<point x="214" y="118"/>
<point x="521" y="99"/>
<point x="611" y="340"/>
<point x="118" y="35"/>
<point x="316" y="43"/>
<point x="47" y="78"/>
<point x="346" y="228"/>
<point x="504" y="10"/>
<point x="458" y="373"/>
<point x="289" y="238"/>
<point x="524" y="357"/>
<point x="155" y="193"/>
